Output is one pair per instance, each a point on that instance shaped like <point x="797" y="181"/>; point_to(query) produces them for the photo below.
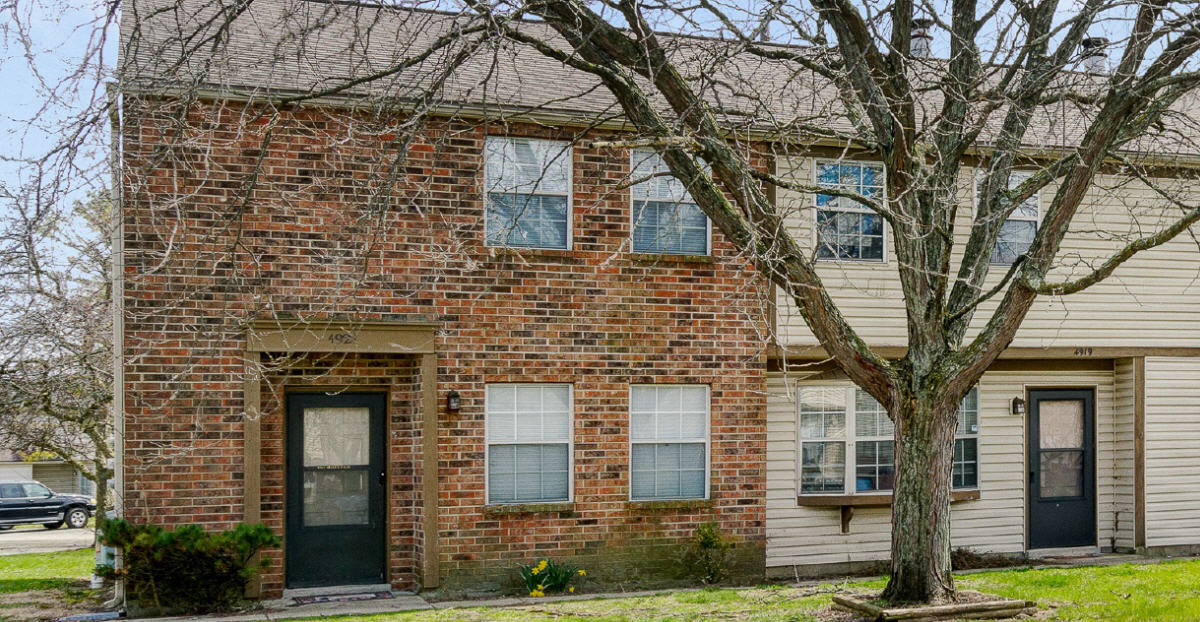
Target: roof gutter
<point x="577" y="119"/>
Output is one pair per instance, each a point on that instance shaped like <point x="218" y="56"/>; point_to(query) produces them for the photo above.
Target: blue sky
<point x="47" y="78"/>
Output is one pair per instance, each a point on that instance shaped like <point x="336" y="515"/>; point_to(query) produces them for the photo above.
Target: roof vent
<point x="1095" y="54"/>
<point x="922" y="41"/>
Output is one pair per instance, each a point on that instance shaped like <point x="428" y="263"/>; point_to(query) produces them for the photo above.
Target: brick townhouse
<point x="429" y="341"/>
<point x="505" y="355"/>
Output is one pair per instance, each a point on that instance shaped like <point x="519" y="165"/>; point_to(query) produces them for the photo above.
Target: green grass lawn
<point x="1168" y="591"/>
<point x="41" y="571"/>
<point x="45" y="586"/>
<point x="1129" y="592"/>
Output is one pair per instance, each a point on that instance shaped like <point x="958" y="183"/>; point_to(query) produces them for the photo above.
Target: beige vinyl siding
<point x="1172" y="451"/>
<point x="996" y="522"/>
<point x="1153" y="299"/>
<point x="1124" y="404"/>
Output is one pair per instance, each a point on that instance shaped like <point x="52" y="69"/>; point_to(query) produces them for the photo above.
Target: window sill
<point x="671" y="504"/>
<point x="835" y="260"/>
<point x="527" y="508"/>
<point x="508" y="252"/>
<point x="871" y="500"/>
<point x="847" y="503"/>
<point x="670" y="258"/>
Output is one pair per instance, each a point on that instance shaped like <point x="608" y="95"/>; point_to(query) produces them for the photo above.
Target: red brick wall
<point x="332" y="225"/>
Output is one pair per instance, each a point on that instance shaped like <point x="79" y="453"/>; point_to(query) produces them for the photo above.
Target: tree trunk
<point x="920" y="566"/>
<point x="101" y="474"/>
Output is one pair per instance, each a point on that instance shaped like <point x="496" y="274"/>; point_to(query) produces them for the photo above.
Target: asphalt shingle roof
<point x="279" y="48"/>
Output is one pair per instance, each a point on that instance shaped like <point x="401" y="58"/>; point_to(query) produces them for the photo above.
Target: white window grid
<point x="705" y="439"/>
<point x="643" y="163"/>
<point x="820" y="425"/>
<point x="871" y="426"/>
<point x="847" y="205"/>
<point x="968" y="429"/>
<point x="543" y="183"/>
<point x="856" y="403"/>
<point x="569" y="439"/>
<point x="1021" y="213"/>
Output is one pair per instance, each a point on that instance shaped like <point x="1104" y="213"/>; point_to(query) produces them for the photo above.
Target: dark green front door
<point x="335" y="489"/>
<point x="1062" y="468"/>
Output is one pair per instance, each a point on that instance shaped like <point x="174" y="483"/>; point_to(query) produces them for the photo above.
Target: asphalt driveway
<point x="41" y="540"/>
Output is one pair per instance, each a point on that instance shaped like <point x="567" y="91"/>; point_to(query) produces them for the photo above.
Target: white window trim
<point x="569" y="153"/>
<point x="816" y="235"/>
<point x="854" y="439"/>
<point x="1037" y="199"/>
<point x="707" y="443"/>
<point x="846" y="440"/>
<point x="849" y="485"/>
<point x="633" y="216"/>
<point x="976" y="435"/>
<point x="487" y="443"/>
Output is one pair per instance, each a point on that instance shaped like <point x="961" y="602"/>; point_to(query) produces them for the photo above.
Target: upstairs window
<point x="847" y="442"/>
<point x="1019" y="229"/>
<point x="847" y="229"/>
<point x="665" y="219"/>
<point x="528" y="443"/>
<point x="668" y="432"/>
<point x="528" y="184"/>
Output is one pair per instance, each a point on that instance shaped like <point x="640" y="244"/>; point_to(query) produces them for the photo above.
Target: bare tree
<point x="716" y="88"/>
<point x="55" y="376"/>
<point x="921" y="117"/>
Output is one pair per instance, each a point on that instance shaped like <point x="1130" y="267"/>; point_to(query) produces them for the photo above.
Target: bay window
<point x="847" y="442"/>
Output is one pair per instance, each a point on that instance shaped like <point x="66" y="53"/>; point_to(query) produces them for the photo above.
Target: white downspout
<point x="118" y="325"/>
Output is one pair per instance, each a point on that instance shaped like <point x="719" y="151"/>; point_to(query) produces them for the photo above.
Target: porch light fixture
<point x="453" y="402"/>
<point x="1018" y="406"/>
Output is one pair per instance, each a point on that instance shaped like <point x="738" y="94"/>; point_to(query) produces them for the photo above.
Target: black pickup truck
<point x="31" y="503"/>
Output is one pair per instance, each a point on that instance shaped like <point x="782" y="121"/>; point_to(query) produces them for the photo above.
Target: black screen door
<point x="335" y="489"/>
<point x="1062" y="468"/>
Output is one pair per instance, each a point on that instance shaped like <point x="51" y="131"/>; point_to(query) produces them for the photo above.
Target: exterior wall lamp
<point x="453" y="402"/>
<point x="1018" y="405"/>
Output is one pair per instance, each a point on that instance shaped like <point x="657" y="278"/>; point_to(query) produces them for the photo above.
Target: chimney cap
<point x="922" y="23"/>
<point x="1093" y="56"/>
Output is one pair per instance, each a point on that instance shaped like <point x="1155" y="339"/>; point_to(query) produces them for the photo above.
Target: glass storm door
<point x="1062" y="468"/>
<point x="335" y="489"/>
